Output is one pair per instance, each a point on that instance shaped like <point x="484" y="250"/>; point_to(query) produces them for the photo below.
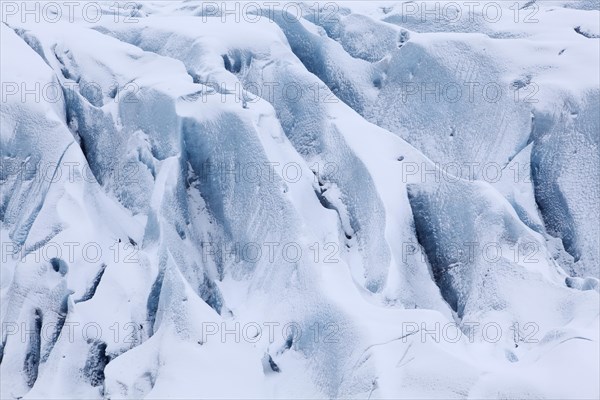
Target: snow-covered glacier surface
<point x="300" y="200"/>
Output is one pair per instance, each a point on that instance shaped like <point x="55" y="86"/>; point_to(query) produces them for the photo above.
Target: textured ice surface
<point x="352" y="200"/>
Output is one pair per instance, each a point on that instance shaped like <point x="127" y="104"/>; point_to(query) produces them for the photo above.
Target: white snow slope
<point x="300" y="200"/>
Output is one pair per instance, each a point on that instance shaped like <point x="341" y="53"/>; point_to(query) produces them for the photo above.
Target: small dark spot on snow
<point x="562" y="51"/>
<point x="401" y="158"/>
<point x="59" y="266"/>
<point x="585" y="33"/>
<point x="226" y="62"/>
<point x="521" y="83"/>
<point x="273" y="366"/>
<point x="55" y="264"/>
<point x="289" y="342"/>
<point x="113" y="93"/>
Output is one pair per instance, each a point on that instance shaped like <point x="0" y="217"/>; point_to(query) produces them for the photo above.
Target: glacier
<point x="366" y="199"/>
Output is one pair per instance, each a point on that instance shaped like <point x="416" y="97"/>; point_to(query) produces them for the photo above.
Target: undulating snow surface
<point x="300" y="200"/>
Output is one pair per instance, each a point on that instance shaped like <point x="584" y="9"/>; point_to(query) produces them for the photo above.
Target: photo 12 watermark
<point x="470" y="331"/>
<point x="451" y="12"/>
<point x="70" y="11"/>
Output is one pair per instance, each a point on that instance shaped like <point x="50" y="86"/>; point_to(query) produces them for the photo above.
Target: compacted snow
<point x="300" y="200"/>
